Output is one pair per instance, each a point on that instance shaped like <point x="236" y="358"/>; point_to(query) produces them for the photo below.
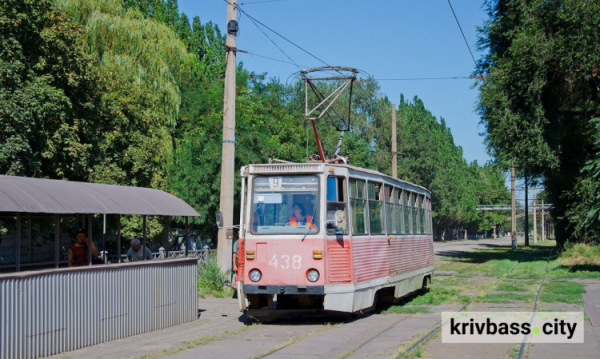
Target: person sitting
<point x="78" y="252"/>
<point x="137" y="253"/>
<point x="300" y="217"/>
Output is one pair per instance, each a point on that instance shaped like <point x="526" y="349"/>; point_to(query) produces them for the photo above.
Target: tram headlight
<point x="313" y="275"/>
<point x="255" y="275"/>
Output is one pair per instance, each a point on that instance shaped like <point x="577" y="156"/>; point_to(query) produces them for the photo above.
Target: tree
<point x="140" y="64"/>
<point x="49" y="100"/>
<point x="541" y="94"/>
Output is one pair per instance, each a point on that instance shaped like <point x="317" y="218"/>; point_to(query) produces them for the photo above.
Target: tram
<point x="329" y="238"/>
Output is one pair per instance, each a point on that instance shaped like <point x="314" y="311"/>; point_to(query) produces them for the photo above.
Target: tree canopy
<point x="540" y="98"/>
<point x="131" y="92"/>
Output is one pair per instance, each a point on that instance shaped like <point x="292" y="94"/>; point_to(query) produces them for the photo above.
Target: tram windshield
<point x="285" y="204"/>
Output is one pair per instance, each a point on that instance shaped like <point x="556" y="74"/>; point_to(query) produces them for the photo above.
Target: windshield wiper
<point x="312" y="222"/>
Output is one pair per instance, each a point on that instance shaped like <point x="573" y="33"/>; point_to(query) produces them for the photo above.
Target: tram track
<point x="351" y="351"/>
<point x="535" y="304"/>
<point x="439" y="325"/>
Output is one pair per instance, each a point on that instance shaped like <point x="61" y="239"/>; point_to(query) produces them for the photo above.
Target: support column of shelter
<point x="104" y="238"/>
<point x="90" y="240"/>
<point x="187" y="232"/>
<point x="30" y="229"/>
<point x="166" y="239"/>
<point x="56" y="240"/>
<point x="18" y="244"/>
<point x="118" y="238"/>
<point x="144" y="236"/>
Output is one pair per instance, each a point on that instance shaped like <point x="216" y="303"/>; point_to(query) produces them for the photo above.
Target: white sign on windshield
<point x="269" y="198"/>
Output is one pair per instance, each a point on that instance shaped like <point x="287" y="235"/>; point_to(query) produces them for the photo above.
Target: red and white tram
<point x="362" y="235"/>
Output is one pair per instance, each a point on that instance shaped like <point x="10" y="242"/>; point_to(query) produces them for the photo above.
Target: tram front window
<point x="285" y="204"/>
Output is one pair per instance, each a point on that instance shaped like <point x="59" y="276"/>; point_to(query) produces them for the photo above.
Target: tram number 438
<point x="285" y="262"/>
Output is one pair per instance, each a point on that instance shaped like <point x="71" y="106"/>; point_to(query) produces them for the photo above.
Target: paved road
<point x="221" y="332"/>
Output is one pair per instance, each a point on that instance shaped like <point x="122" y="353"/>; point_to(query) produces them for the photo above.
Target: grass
<point x="418" y="351"/>
<point x="190" y="344"/>
<point x="506" y="298"/>
<point x="407" y="310"/>
<point x="500" y="269"/>
<point x="294" y="340"/>
<point x="513" y="352"/>
<point x="514" y="286"/>
<point x="581" y="254"/>
<point x="211" y="281"/>
<point x="561" y="291"/>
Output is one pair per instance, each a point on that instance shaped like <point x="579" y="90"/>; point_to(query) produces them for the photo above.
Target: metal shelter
<point x="54" y="310"/>
<point x="21" y="196"/>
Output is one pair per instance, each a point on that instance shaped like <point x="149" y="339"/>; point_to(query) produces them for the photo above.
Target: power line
<point x="264" y="33"/>
<point x="463" y="34"/>
<point x="271" y="58"/>
<point x="278" y="34"/>
<point x="259" y="2"/>
<point x="427" y="78"/>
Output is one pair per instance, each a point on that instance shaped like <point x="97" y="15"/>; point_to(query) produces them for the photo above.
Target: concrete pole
<point x="394" y="145"/>
<point x="543" y="220"/>
<point x="534" y="218"/>
<point x="224" y="243"/>
<point x="513" y="231"/>
<point x="526" y="211"/>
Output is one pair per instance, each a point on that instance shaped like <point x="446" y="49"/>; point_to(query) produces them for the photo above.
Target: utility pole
<point x="534" y="218"/>
<point x="526" y="212"/>
<point x="225" y="237"/>
<point x="513" y="231"/>
<point x="394" y="145"/>
<point x="543" y="219"/>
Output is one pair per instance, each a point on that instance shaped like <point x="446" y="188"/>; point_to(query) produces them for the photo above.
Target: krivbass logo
<point x="512" y="327"/>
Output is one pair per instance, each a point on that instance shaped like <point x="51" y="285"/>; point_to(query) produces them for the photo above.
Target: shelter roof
<point x="36" y="195"/>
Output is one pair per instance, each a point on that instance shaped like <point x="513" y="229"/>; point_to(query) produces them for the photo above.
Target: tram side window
<point x="337" y="222"/>
<point x="415" y="211"/>
<point x="422" y="213"/>
<point x="375" y="208"/>
<point x="406" y="198"/>
<point x="389" y="209"/>
<point x="430" y="216"/>
<point x="399" y="212"/>
<point x="358" y="207"/>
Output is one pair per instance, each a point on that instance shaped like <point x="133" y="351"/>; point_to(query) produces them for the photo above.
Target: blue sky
<point x="387" y="39"/>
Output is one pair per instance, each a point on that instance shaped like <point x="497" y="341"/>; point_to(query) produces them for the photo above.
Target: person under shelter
<point x="78" y="252"/>
<point x="137" y="253"/>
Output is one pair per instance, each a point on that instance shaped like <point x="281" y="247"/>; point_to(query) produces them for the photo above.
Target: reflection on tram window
<point x="358" y="206"/>
<point x="390" y="218"/>
<point x="375" y="208"/>
<point x="337" y="222"/>
<point x="285" y="205"/>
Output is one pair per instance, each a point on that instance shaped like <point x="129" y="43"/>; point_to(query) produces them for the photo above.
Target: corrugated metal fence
<point x="53" y="311"/>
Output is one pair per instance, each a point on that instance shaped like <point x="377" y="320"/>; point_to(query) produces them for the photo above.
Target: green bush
<point x="211" y="280"/>
<point x="581" y="254"/>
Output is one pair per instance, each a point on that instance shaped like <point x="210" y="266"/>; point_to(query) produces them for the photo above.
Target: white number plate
<point x="286" y="262"/>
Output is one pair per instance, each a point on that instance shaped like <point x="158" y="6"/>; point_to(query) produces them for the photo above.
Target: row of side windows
<point x="378" y="208"/>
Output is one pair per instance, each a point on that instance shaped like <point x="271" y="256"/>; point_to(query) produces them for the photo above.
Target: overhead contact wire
<point x="462" y="33"/>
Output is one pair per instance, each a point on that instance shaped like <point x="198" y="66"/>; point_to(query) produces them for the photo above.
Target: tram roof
<point x="316" y="167"/>
<point x="36" y="195"/>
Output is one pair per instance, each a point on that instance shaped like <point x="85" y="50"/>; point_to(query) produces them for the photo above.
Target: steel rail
<point x="537" y="297"/>
<point x="440" y="324"/>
